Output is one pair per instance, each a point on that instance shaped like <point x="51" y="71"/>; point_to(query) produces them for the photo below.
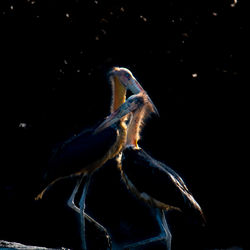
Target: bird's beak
<point x="136" y="88"/>
<point x="123" y="110"/>
<point x="128" y="81"/>
<point x="113" y="118"/>
<point x="153" y="106"/>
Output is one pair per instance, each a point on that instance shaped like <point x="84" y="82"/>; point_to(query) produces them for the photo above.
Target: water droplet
<point x="234" y="3"/>
<point x="185" y="34"/>
<point x="22" y="125"/>
<point x="143" y="18"/>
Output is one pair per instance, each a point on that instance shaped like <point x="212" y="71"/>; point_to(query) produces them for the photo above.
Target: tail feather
<point x="40" y="195"/>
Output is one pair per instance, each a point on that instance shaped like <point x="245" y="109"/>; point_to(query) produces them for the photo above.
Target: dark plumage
<point x="84" y="153"/>
<point x="163" y="187"/>
<point x="80" y="151"/>
<point x="151" y="180"/>
<point x="89" y="150"/>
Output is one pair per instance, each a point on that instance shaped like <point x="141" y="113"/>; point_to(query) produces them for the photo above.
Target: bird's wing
<point x="187" y="195"/>
<point x="156" y="179"/>
<point x="174" y="175"/>
<point x="80" y="151"/>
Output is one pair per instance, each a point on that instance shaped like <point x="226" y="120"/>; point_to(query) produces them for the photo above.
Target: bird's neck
<point x="120" y="140"/>
<point x="118" y="94"/>
<point x="134" y="128"/>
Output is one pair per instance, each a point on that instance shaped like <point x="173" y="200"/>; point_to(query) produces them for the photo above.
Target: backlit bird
<point x="87" y="151"/>
<point x="81" y="155"/>
<point x="150" y="180"/>
<point x="130" y="222"/>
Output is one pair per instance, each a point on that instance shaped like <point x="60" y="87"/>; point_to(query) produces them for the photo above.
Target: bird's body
<point x="156" y="183"/>
<point x="85" y="152"/>
<point x="89" y="150"/>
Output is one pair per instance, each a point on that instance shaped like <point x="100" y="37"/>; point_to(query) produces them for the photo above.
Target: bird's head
<point x="126" y="78"/>
<point x="132" y="105"/>
<point x="121" y="80"/>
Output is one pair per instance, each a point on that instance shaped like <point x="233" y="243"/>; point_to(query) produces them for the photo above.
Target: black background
<point x="191" y="57"/>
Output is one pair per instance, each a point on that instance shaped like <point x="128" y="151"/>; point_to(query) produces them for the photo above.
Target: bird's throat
<point x="134" y="128"/>
<point x="119" y="94"/>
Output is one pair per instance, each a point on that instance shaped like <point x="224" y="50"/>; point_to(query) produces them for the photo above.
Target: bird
<point x="84" y="153"/>
<point x="130" y="222"/>
<point x="151" y="180"/>
<point x="148" y="179"/>
<point x="89" y="150"/>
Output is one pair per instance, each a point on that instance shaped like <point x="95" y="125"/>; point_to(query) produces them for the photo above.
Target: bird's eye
<point x="127" y="75"/>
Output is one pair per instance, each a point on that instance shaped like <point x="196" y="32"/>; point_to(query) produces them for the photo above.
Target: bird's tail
<point x="195" y="212"/>
<point x="40" y="195"/>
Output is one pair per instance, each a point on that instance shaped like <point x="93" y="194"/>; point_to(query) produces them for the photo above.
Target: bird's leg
<point x="71" y="201"/>
<point x="82" y="209"/>
<point x="71" y="204"/>
<point x="166" y="231"/>
<point x="165" y="234"/>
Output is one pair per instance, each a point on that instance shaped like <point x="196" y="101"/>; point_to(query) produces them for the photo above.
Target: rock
<point x="14" y="245"/>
